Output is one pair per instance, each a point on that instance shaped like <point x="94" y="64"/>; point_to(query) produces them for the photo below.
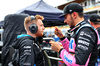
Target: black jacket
<point x="99" y="44"/>
<point x="86" y="40"/>
<point x="29" y="51"/>
<point x="86" y="43"/>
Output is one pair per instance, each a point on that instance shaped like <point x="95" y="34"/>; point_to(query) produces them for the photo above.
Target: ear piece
<point x="32" y="18"/>
<point x="33" y="27"/>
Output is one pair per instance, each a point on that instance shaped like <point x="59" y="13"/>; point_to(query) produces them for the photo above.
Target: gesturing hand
<point x="58" y="32"/>
<point x="55" y="46"/>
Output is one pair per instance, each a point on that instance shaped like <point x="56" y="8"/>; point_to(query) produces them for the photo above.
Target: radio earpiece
<point x="33" y="27"/>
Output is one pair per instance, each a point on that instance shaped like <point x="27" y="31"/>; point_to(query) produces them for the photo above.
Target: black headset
<point x="33" y="27"/>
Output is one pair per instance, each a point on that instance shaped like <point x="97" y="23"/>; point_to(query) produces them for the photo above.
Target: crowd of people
<point x="81" y="49"/>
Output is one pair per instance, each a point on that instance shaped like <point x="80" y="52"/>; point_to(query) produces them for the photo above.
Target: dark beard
<point x="72" y="23"/>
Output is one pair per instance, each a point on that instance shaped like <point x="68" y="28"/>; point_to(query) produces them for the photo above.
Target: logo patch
<point x="71" y="43"/>
<point x="67" y="59"/>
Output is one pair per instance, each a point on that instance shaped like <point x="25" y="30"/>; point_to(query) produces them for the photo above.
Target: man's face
<point x="69" y="20"/>
<point x="40" y="28"/>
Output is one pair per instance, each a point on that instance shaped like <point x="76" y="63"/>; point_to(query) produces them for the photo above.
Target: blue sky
<point x="12" y="6"/>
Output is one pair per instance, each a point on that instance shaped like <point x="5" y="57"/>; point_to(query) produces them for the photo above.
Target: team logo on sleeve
<point x="72" y="45"/>
<point x="67" y="59"/>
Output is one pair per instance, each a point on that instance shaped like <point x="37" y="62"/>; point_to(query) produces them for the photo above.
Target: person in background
<point x="81" y="50"/>
<point x="95" y="22"/>
<point x="29" y="51"/>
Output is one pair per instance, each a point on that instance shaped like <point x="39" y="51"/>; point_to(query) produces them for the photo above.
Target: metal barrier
<point x="50" y="57"/>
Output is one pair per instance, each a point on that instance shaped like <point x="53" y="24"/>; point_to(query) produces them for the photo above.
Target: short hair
<point x="80" y="14"/>
<point x="28" y="21"/>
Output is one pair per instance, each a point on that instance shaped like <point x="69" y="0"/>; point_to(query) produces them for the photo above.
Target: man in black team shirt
<point x="29" y="50"/>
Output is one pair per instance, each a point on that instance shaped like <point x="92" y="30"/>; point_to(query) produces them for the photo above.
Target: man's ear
<point x="75" y="15"/>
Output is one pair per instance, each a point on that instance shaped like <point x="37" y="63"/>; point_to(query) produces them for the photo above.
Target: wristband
<point x="62" y="38"/>
<point x="60" y="50"/>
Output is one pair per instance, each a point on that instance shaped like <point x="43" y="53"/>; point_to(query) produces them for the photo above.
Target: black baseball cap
<point x="94" y="18"/>
<point x="70" y="8"/>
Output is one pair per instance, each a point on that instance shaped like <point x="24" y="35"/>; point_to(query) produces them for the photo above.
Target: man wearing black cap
<point x="95" y="22"/>
<point x="82" y="47"/>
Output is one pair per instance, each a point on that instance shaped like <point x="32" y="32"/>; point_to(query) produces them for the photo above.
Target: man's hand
<point x="55" y="46"/>
<point x="58" y="32"/>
